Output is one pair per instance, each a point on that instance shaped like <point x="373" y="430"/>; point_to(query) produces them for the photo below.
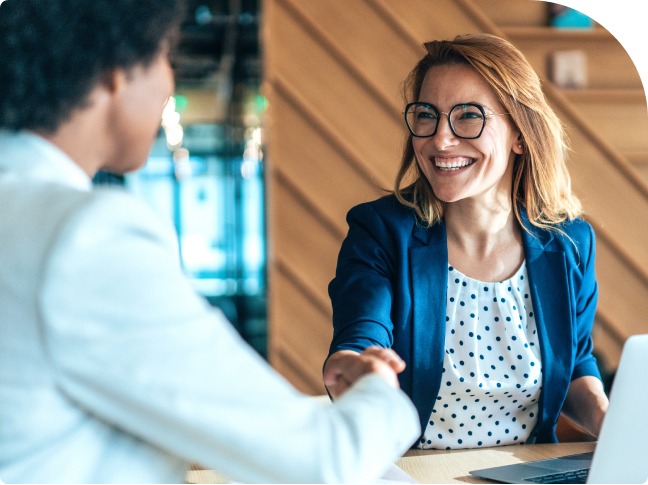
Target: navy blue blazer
<point x="390" y="290"/>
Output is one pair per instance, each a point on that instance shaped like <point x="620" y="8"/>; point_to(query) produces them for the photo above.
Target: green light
<point x="181" y="103"/>
<point x="261" y="103"/>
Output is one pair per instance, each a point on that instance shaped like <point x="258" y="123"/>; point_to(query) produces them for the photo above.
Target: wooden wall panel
<point x="425" y="20"/>
<point x="622" y="297"/>
<point x="304" y="244"/>
<point x="364" y="41"/>
<point x="318" y="167"/>
<point x="516" y="13"/>
<point x="622" y="122"/>
<point x="607" y="197"/>
<point x="335" y="129"/>
<point x="306" y="332"/>
<point x="331" y="90"/>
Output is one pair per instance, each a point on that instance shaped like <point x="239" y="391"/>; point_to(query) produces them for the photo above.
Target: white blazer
<point x="113" y="370"/>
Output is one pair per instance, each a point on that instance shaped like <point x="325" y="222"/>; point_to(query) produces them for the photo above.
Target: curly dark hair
<point x="54" y="52"/>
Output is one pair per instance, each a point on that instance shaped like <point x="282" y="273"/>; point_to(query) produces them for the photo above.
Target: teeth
<point x="453" y="163"/>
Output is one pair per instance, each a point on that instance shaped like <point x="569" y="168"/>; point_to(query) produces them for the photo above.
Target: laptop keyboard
<point x="574" y="476"/>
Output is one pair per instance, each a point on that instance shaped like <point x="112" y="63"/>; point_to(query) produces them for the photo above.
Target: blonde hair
<point x="541" y="182"/>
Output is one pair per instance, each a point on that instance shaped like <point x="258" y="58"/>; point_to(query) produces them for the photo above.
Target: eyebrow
<point x="463" y="102"/>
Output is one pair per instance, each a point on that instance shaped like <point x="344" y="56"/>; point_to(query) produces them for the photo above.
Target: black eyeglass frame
<point x="439" y="113"/>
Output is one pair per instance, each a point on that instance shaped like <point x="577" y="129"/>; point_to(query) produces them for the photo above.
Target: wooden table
<point x="441" y="466"/>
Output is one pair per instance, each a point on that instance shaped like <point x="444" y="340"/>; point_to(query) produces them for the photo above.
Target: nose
<point x="444" y="137"/>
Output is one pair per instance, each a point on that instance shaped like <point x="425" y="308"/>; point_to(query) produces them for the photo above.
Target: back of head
<point x="55" y="51"/>
<point x="541" y="182"/>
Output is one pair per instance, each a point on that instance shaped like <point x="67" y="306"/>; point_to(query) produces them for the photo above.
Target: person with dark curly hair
<point x="112" y="369"/>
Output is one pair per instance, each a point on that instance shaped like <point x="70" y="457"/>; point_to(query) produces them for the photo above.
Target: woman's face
<point x="483" y="167"/>
<point x="137" y="113"/>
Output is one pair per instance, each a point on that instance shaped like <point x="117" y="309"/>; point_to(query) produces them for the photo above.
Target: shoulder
<point x="104" y="217"/>
<point x="577" y="235"/>
<point x="386" y="211"/>
<point x="576" y="240"/>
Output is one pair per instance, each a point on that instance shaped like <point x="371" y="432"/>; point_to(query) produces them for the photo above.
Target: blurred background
<point x="288" y="113"/>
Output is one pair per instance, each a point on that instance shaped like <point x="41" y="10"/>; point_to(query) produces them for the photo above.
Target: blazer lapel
<point x="550" y="294"/>
<point x="429" y="270"/>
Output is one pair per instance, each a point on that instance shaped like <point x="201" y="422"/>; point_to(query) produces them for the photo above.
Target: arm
<point x="132" y="343"/>
<point x="586" y="402"/>
<point x="362" y="291"/>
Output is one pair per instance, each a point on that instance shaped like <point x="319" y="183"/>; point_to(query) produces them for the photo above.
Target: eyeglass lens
<point x="466" y="120"/>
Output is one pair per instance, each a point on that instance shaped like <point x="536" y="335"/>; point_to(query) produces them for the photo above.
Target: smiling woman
<point x="478" y="273"/>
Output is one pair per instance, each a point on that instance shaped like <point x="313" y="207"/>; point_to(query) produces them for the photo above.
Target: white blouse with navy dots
<point x="491" y="377"/>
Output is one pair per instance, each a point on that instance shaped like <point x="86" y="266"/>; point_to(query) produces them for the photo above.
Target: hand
<point x="345" y="367"/>
<point x="586" y="404"/>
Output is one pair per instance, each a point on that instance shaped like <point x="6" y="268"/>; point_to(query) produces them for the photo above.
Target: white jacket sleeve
<point x="133" y="344"/>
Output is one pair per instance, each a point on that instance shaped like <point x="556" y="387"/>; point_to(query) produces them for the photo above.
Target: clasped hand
<point x="345" y="367"/>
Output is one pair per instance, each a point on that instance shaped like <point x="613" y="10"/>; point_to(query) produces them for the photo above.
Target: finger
<point x="382" y="369"/>
<point x="342" y="370"/>
<point x="388" y="356"/>
<point x="338" y="389"/>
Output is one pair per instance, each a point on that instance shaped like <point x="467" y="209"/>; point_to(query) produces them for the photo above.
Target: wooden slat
<point x="334" y="20"/>
<point x="622" y="295"/>
<point x="337" y="95"/>
<point x="286" y="94"/>
<point x="553" y="34"/>
<point x="307" y="290"/>
<point x="623" y="123"/>
<point x="637" y="158"/>
<point x="606" y="345"/>
<point x="296" y="371"/>
<point x="516" y="13"/>
<point x="608" y="96"/>
<point x="304" y="336"/>
<point x="309" y="248"/>
<point x="442" y="19"/>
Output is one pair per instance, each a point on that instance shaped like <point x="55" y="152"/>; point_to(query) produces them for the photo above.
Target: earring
<point x="520" y="146"/>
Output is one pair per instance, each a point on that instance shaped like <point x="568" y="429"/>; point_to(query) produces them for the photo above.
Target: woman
<point x="478" y="273"/>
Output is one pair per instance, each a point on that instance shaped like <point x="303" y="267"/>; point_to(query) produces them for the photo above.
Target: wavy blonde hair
<point x="541" y="182"/>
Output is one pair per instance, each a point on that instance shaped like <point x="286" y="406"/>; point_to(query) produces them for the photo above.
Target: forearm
<point x="586" y="404"/>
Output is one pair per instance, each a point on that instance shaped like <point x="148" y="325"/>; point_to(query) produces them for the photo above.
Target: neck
<point x="81" y="138"/>
<point x="480" y="228"/>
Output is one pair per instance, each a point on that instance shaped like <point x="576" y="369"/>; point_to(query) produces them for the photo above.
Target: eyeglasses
<point x="466" y="120"/>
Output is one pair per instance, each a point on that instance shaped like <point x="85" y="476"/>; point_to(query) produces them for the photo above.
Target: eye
<point x="468" y="113"/>
<point x="471" y="116"/>
<point x="424" y="113"/>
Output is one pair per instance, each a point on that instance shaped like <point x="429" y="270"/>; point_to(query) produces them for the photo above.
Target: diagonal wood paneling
<point x="333" y="75"/>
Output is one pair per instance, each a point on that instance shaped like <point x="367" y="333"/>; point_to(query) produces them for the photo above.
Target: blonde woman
<point x="478" y="271"/>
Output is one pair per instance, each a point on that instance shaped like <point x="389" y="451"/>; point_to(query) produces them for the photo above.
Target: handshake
<point x="344" y="368"/>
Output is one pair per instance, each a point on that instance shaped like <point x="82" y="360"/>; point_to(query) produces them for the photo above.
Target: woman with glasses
<point x="477" y="270"/>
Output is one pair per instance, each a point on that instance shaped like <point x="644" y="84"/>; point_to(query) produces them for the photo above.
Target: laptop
<point x="621" y="454"/>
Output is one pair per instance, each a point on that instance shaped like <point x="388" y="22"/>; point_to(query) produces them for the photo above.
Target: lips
<point x="453" y="163"/>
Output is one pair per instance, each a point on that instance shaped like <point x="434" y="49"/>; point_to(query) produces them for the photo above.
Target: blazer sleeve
<point x="362" y="290"/>
<point x="585" y="362"/>
<point x="133" y="344"/>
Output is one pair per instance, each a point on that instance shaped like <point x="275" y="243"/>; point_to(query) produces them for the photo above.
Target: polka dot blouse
<point x="491" y="368"/>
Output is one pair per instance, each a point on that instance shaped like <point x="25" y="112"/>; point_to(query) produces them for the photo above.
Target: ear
<point x="114" y="81"/>
<point x="518" y="145"/>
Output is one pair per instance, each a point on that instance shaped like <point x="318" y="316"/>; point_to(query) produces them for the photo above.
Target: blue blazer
<point x="390" y="290"/>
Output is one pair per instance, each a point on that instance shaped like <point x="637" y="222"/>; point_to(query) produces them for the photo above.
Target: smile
<point x="455" y="163"/>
